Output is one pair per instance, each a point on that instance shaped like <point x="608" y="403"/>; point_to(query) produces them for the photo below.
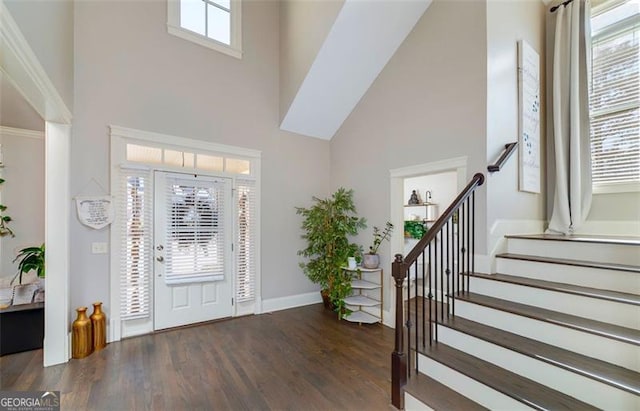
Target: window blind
<point x="195" y="232"/>
<point x="615" y="103"/>
<point x="135" y="200"/>
<point x="246" y="242"/>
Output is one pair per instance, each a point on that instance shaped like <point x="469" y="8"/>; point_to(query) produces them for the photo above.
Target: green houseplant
<point x="4" y="220"/>
<point x="30" y="258"/>
<point x="327" y="226"/>
<point x="372" y="259"/>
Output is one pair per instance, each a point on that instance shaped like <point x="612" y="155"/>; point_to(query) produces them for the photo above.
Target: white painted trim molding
<point x="497" y="243"/>
<point x="290" y="301"/>
<point x="169" y="140"/>
<point x="22" y="68"/>
<point x="57" y="212"/>
<point x="234" y="49"/>
<point x="21" y="133"/>
<point x="610" y="227"/>
<point x="119" y="138"/>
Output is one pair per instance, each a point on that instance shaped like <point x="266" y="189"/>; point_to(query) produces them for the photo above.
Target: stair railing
<point x="508" y="150"/>
<point x="438" y="266"/>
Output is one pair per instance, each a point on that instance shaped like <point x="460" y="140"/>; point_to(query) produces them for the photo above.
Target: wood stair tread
<point x="438" y="396"/>
<point x="616" y="332"/>
<point x="583" y="238"/>
<point x="567" y="261"/>
<point x="513" y="385"/>
<point x="598" y="370"/>
<point x="626" y="298"/>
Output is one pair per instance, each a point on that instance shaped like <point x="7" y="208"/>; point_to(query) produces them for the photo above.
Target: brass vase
<point x="99" y="326"/>
<point x="81" y="340"/>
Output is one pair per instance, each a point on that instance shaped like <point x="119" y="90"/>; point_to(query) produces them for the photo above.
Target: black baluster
<point x="424" y="280"/>
<point x="473" y="232"/>
<point x="468" y="243"/>
<point x="430" y="296"/>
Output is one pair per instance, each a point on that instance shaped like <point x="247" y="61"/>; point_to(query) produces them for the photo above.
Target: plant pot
<point x="371" y="261"/>
<point x="326" y="300"/>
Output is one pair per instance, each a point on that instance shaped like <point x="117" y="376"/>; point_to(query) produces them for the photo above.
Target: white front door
<point x="193" y="231"/>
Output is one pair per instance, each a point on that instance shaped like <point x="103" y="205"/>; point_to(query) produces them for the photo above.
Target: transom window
<point x="615" y="96"/>
<point x="210" y="23"/>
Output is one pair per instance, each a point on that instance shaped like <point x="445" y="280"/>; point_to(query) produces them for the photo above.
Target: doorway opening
<point x="437" y="178"/>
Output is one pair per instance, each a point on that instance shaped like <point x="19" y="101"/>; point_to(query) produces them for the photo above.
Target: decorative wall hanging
<point x="96" y="211"/>
<point x="529" y="117"/>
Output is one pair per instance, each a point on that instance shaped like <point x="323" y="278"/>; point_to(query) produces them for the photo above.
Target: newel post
<point x="398" y="358"/>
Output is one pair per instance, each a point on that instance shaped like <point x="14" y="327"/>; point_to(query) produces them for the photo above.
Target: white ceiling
<point x="362" y="40"/>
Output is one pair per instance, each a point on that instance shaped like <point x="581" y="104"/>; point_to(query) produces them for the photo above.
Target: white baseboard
<point x="290" y="301"/>
<point x="496" y="243"/>
<point x="608" y="227"/>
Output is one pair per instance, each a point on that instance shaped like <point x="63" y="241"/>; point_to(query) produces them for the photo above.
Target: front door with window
<point x="193" y="222"/>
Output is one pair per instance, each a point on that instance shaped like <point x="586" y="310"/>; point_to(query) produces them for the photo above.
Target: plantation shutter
<point x="615" y="105"/>
<point x="246" y="241"/>
<point x="194" y="249"/>
<point x="135" y="205"/>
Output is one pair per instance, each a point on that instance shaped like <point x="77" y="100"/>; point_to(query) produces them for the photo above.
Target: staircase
<point x="557" y="327"/>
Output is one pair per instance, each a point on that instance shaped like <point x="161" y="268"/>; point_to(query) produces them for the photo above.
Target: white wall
<point x="130" y="72"/>
<point x="443" y="187"/>
<point x="48" y="27"/>
<point x="23" y="194"/>
<point x="507" y="23"/>
<point x="304" y="26"/>
<point x="428" y="104"/>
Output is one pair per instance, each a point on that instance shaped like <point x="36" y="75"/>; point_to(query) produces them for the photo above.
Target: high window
<point x="615" y="96"/>
<point x="210" y="23"/>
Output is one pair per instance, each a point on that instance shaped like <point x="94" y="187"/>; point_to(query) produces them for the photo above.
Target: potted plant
<point x="30" y="258"/>
<point x="4" y="220"/>
<point x="372" y="259"/>
<point x="327" y="226"/>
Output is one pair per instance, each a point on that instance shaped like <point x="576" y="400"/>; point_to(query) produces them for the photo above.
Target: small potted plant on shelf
<point x="372" y="259"/>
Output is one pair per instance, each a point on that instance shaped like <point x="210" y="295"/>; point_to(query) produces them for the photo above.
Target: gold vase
<point x="99" y="326"/>
<point x="81" y="340"/>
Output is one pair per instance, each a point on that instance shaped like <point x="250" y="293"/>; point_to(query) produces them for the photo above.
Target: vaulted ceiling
<point x="362" y="39"/>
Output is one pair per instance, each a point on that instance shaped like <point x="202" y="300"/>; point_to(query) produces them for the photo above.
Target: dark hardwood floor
<point x="297" y="359"/>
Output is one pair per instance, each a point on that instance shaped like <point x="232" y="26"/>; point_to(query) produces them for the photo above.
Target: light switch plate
<point x="99" y="248"/>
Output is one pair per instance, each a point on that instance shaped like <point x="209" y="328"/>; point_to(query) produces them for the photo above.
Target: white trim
<point x="610" y="227"/>
<point x="120" y="136"/>
<point x="57" y="214"/>
<point x="20" y="66"/>
<point x="234" y="49"/>
<point x="497" y="243"/>
<point x="429" y="168"/>
<point x="616" y="188"/>
<point x="290" y="301"/>
<point x="21" y="133"/>
<point x="169" y="140"/>
<point x="24" y="71"/>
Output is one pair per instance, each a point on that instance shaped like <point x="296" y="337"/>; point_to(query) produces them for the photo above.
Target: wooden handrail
<point x="477" y="180"/>
<point x="399" y="370"/>
<point x="506" y="153"/>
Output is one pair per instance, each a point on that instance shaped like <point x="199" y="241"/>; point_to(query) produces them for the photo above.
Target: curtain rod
<point x="554" y="8"/>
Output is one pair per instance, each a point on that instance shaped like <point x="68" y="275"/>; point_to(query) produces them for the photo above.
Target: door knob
<point x="160" y="247"/>
<point x="160" y="259"/>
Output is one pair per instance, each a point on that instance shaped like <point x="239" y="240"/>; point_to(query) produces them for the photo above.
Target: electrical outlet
<point x="99" y="248"/>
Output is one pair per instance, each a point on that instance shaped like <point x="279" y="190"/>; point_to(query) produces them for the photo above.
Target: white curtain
<point x="569" y="115"/>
